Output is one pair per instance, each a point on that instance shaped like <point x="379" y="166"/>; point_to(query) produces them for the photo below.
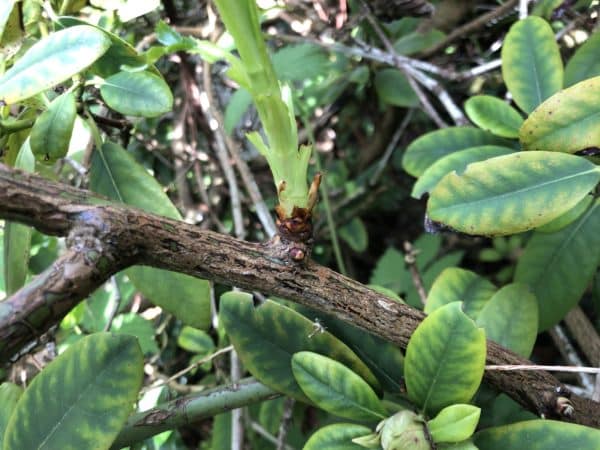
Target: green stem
<point x="13" y="126"/>
<point x="191" y="408"/>
<point x="325" y="197"/>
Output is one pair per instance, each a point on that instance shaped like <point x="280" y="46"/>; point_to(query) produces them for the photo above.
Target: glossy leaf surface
<point x="117" y="175"/>
<point x="335" y="388"/>
<point x="457" y="161"/>
<point x="513" y="193"/>
<point x="558" y="266"/>
<point x="531" y="65"/>
<point x="103" y="373"/>
<point x="538" y="435"/>
<point x="567" y="122"/>
<point x="584" y="63"/>
<point x="337" y="437"/>
<point x="51" y="61"/>
<point x="137" y="94"/>
<point x="460" y="285"/>
<point x="494" y="115"/>
<point x="267" y="337"/>
<point x="429" y="148"/>
<point x="454" y="423"/>
<point x="510" y="318"/>
<point x="444" y="359"/>
<point x="51" y="133"/>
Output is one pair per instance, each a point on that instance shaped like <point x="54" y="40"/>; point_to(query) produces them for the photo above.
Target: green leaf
<point x="457" y="161"/>
<point x="427" y="149"/>
<point x="51" y="133"/>
<point x="81" y="399"/>
<point x="584" y="63"/>
<point x="531" y="65"/>
<point x="494" y="115"/>
<point x="300" y="62"/>
<point x="459" y="285"/>
<point x="195" y="341"/>
<point x="558" y="266"/>
<point x="267" y="337"/>
<point x="335" y="388"/>
<point x="137" y="94"/>
<point x="17" y="237"/>
<point x="444" y="359"/>
<point x="355" y="235"/>
<point x="336" y="437"/>
<point x="120" y="53"/>
<point x="393" y="88"/>
<point x="513" y="193"/>
<point x="454" y="423"/>
<point x="238" y="104"/>
<point x="9" y="396"/>
<point x="134" y="325"/>
<point x="538" y="435"/>
<point x="567" y="122"/>
<point x="570" y="216"/>
<point x="417" y="41"/>
<point x="51" y="61"/>
<point x="464" y="445"/>
<point x="115" y="174"/>
<point x="510" y="318"/>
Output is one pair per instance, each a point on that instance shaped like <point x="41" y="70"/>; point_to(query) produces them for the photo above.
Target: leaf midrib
<point x="473" y="203"/>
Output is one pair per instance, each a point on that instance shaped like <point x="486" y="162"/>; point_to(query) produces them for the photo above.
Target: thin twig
<point x="569" y="353"/>
<point x="523" y="9"/>
<point x="470" y="27"/>
<point x="572" y="369"/>
<point x="189" y="368"/>
<point x="410" y="257"/>
<point x="382" y="163"/>
<point x="115" y="302"/>
<point x="258" y="429"/>
<point x="286" y="420"/>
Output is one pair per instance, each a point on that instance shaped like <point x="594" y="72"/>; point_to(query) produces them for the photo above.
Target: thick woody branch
<point x="142" y="238"/>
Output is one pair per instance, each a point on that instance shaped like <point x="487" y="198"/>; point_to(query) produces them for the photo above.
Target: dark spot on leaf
<point x="589" y="151"/>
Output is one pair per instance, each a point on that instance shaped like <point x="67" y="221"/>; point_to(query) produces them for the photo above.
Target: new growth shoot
<point x="254" y="72"/>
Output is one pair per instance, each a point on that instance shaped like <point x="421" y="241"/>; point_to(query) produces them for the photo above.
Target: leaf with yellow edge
<point x="512" y="193"/>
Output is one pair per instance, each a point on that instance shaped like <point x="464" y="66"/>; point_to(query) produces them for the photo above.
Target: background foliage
<point x="488" y="136"/>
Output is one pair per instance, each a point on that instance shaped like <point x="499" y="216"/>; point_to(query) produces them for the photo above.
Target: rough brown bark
<point x="105" y="237"/>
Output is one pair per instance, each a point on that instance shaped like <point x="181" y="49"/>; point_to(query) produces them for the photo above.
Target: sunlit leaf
<point x="454" y="423"/>
<point x="531" y="65"/>
<point x="494" y="115"/>
<point x="513" y="193"/>
<point x="51" y="61"/>
<point x="567" y="122"/>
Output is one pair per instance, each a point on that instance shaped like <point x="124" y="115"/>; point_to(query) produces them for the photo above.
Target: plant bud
<point x="405" y="430"/>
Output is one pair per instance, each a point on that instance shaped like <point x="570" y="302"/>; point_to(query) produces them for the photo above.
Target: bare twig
<point x="410" y="257"/>
<point x="286" y="419"/>
<point x="570" y="355"/>
<point x="257" y="428"/>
